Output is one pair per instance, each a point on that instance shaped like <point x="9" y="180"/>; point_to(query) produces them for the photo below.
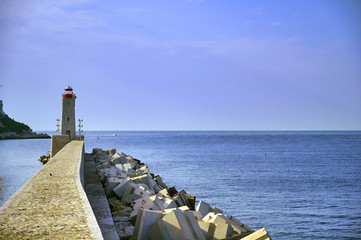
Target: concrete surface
<point x="52" y="204"/>
<point x="98" y="200"/>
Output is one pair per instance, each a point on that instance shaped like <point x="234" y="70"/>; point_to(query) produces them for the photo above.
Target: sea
<point x="296" y="184"/>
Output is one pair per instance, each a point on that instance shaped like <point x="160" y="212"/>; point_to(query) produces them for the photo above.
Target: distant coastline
<point x="12" y="135"/>
<point x="11" y="129"/>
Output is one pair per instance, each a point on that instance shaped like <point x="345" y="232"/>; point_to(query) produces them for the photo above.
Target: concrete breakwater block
<point x="207" y="229"/>
<point x="143" y="207"/>
<point x="123" y="158"/>
<point x="110" y="184"/>
<point x="143" y="169"/>
<point x="169" y="203"/>
<point x="144" y="220"/>
<point x="222" y="231"/>
<point x="163" y="193"/>
<point x="204" y="208"/>
<point x="160" y="182"/>
<point x="127" y="166"/>
<point x="197" y="215"/>
<point x="134" y="174"/>
<point x="110" y="151"/>
<point x="101" y="155"/>
<point x="143" y="191"/>
<point x="124" y="212"/>
<point x="143" y="178"/>
<point x="169" y="210"/>
<point x="177" y="225"/>
<point x="134" y="192"/>
<point x="236" y="225"/>
<point x="261" y="234"/>
<point x="146" y="178"/>
<point x="115" y="159"/>
<point x="172" y="191"/>
<point x="181" y="199"/>
<point x="120" y="167"/>
<point x="129" y="191"/>
<point x="120" y="188"/>
<point x="149" y="202"/>
<point x="111" y="172"/>
<point x="102" y="164"/>
<point x="216" y="231"/>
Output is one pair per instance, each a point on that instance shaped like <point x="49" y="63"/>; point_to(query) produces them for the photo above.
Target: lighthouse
<point x="68" y="116"/>
<point x="68" y="133"/>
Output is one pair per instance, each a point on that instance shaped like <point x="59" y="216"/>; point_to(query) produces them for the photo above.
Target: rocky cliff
<point x="11" y="129"/>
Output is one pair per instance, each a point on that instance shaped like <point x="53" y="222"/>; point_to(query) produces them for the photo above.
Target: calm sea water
<point x="299" y="185"/>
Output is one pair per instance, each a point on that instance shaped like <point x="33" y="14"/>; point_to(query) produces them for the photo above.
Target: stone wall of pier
<point x="52" y="204"/>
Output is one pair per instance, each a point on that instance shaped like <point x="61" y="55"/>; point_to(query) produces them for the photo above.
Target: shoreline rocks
<point x="144" y="207"/>
<point x="32" y="135"/>
<point x="44" y="159"/>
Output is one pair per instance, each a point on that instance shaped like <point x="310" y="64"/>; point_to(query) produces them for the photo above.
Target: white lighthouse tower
<point x="68" y="117"/>
<point x="68" y="132"/>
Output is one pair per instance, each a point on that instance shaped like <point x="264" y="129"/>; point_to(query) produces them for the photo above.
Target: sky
<point x="183" y="64"/>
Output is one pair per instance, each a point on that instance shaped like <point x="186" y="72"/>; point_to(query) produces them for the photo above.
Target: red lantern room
<point x="68" y="92"/>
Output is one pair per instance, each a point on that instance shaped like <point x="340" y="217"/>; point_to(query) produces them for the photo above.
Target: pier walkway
<point x="52" y="203"/>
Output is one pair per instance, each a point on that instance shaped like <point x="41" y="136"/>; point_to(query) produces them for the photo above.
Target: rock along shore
<point x="13" y="135"/>
<point x="144" y="207"/>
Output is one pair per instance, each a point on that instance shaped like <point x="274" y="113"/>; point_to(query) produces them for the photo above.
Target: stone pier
<point x="66" y="200"/>
<point x="52" y="204"/>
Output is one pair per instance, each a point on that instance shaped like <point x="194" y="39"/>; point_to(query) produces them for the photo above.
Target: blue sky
<point x="184" y="65"/>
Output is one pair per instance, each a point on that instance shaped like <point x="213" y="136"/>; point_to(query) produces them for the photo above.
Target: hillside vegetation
<point x="9" y="125"/>
<point x="11" y="129"/>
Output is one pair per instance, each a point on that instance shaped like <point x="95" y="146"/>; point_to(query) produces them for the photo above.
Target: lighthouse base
<point x="59" y="141"/>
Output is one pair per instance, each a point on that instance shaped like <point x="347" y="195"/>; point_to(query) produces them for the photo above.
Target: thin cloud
<point x="257" y="11"/>
<point x="133" y="10"/>
<point x="248" y="22"/>
<point x="276" y="23"/>
<point x="54" y="16"/>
